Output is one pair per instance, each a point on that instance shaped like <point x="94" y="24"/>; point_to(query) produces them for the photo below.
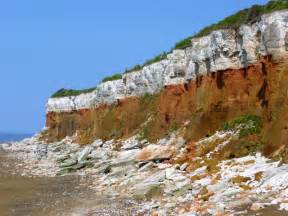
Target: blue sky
<point x="47" y="45"/>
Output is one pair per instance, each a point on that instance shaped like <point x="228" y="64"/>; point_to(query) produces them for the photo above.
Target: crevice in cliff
<point x="220" y="79"/>
<point x="199" y="81"/>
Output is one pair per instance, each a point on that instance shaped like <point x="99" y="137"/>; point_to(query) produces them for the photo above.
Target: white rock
<point x="97" y="143"/>
<point x="156" y="177"/>
<point x="131" y="143"/>
<point x="84" y="153"/>
<point x="220" y="50"/>
<point x="184" y="166"/>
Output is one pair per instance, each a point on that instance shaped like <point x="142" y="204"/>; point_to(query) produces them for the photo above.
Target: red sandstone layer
<point x="200" y="106"/>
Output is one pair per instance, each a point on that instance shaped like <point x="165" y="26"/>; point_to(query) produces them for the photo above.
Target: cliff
<point x="221" y="50"/>
<point x="220" y="76"/>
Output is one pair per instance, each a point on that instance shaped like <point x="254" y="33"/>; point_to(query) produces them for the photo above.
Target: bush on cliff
<point x="157" y="58"/>
<point x="70" y="92"/>
<point x="112" y="78"/>
<point x="134" y="68"/>
<point x="234" y="21"/>
<point x="247" y="124"/>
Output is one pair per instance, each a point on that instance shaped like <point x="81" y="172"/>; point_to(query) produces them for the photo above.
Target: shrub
<point x="248" y="125"/>
<point x="157" y="58"/>
<point x="183" y="44"/>
<point x="276" y="5"/>
<point x="71" y="92"/>
<point x="143" y="134"/>
<point x="135" y="68"/>
<point x="175" y="126"/>
<point x="234" y="21"/>
<point x="112" y="78"/>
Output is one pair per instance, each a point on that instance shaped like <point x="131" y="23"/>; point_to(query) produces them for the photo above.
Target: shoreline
<point x="53" y="196"/>
<point x="142" y="171"/>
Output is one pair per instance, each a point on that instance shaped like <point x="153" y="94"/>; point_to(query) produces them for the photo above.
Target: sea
<point x="10" y="137"/>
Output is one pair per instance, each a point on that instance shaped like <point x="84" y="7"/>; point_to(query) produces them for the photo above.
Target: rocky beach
<point x="141" y="174"/>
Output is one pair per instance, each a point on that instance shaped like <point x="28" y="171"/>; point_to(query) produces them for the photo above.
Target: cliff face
<point x="221" y="50"/>
<point x="225" y="74"/>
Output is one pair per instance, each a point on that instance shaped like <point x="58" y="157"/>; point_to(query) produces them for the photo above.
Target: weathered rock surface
<point x="250" y="182"/>
<point x="221" y="50"/>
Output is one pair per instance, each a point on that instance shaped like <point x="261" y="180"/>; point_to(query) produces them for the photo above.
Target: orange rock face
<point x="200" y="106"/>
<point x="155" y="152"/>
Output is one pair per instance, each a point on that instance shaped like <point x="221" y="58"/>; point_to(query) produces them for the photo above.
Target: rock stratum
<point x="221" y="50"/>
<point x="220" y="76"/>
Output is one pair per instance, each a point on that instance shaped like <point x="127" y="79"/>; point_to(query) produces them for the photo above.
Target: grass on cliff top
<point x="157" y="58"/>
<point x="70" y="92"/>
<point x="112" y="78"/>
<point x="73" y="92"/>
<point x="246" y="16"/>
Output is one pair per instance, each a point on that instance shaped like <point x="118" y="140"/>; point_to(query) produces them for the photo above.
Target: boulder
<point x="105" y="168"/>
<point x="62" y="158"/>
<point x="218" y="187"/>
<point x="125" y="158"/>
<point x="156" y="177"/>
<point x="147" y="167"/>
<point x="68" y="163"/>
<point x="84" y="153"/>
<point x="87" y="163"/>
<point x="170" y="172"/>
<point x="70" y="169"/>
<point x="240" y="203"/>
<point x="183" y="167"/>
<point x="108" y="144"/>
<point x="97" y="143"/>
<point x="147" y="190"/>
<point x="99" y="154"/>
<point x="131" y="143"/>
<point x="122" y="171"/>
<point x="155" y="153"/>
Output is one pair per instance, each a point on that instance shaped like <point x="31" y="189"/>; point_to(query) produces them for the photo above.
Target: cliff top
<point x="245" y="16"/>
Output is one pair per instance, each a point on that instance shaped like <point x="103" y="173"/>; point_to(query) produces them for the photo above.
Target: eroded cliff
<point x="223" y="75"/>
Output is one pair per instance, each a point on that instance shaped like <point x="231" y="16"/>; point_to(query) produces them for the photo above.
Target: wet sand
<point x="36" y="196"/>
<point x="69" y="195"/>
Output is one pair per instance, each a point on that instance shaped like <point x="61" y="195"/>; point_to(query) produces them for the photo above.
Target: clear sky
<point x="49" y="44"/>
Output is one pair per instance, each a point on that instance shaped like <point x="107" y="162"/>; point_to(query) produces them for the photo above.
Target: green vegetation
<point x="146" y="98"/>
<point x="174" y="126"/>
<point x="70" y="92"/>
<point x="135" y="68"/>
<point x="248" y="125"/>
<point x="234" y="21"/>
<point x="157" y="58"/>
<point x="143" y="134"/>
<point x="183" y="44"/>
<point x="112" y="78"/>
